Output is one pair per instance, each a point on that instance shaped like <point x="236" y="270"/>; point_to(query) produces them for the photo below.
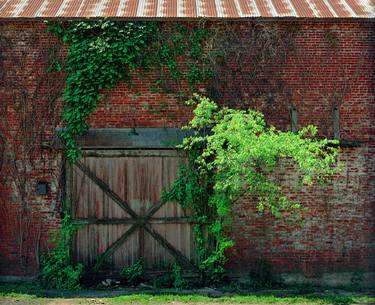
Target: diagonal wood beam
<point x="106" y="189"/>
<point x="182" y="259"/>
<point x="154" y="209"/>
<point x="139" y="222"/>
<point x="111" y="249"/>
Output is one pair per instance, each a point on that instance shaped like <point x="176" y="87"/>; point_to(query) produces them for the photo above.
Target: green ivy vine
<point x="232" y="152"/>
<point x="57" y="270"/>
<point x="103" y="52"/>
<point x="237" y="156"/>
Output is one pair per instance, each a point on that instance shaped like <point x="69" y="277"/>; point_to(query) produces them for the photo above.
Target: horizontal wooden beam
<point x="134" y="153"/>
<point x="130" y="138"/>
<point x="113" y="221"/>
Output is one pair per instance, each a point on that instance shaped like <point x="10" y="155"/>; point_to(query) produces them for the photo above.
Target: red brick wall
<point x="337" y="234"/>
<point x="29" y="114"/>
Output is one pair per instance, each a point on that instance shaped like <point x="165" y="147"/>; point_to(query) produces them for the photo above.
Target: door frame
<point x="139" y="142"/>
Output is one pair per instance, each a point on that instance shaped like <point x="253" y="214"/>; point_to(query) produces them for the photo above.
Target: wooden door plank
<point x="116" y="181"/>
<point x="114" y="246"/>
<point x="106" y="189"/>
<point x="128" y="252"/>
<point x="129" y="182"/>
<point x="182" y="259"/>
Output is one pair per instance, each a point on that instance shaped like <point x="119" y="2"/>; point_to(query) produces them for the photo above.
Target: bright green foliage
<point x="57" y="270"/>
<point x="242" y="151"/>
<point x="134" y="273"/>
<point x="232" y="153"/>
<point x="191" y="189"/>
<point x="102" y="53"/>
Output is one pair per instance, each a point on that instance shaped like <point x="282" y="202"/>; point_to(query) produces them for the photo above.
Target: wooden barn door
<point x="116" y="197"/>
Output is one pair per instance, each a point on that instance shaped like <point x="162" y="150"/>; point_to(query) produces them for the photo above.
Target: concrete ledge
<point x="332" y="280"/>
<point x="13" y="278"/>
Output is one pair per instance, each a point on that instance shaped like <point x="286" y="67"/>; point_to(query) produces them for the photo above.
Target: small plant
<point x="57" y="270"/>
<point x="134" y="273"/>
<point x="164" y="280"/>
<point x="356" y="281"/>
<point x="263" y="277"/>
<point x="178" y="281"/>
<point x="303" y="288"/>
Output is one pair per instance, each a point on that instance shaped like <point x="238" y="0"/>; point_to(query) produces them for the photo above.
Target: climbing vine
<point x="177" y="58"/>
<point x="102" y="53"/>
<point x="57" y="270"/>
<point x="233" y="151"/>
<point x="237" y="156"/>
<point x="29" y="103"/>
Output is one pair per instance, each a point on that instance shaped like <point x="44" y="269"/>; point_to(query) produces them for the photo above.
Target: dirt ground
<point x="38" y="301"/>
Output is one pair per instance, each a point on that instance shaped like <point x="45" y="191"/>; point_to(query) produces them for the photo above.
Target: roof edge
<point x="186" y="19"/>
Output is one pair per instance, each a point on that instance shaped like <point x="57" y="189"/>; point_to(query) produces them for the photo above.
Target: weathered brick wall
<point x="29" y="113"/>
<point x="337" y="234"/>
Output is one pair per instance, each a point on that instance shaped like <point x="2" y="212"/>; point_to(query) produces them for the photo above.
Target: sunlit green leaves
<point x="236" y="153"/>
<point x="242" y="151"/>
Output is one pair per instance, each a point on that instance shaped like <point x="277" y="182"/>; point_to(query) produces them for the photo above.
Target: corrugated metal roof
<point x="187" y="8"/>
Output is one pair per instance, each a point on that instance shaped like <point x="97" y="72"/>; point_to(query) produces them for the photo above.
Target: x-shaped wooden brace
<point x="140" y="222"/>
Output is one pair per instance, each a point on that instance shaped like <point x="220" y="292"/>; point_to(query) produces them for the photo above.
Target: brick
<point x="338" y="230"/>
